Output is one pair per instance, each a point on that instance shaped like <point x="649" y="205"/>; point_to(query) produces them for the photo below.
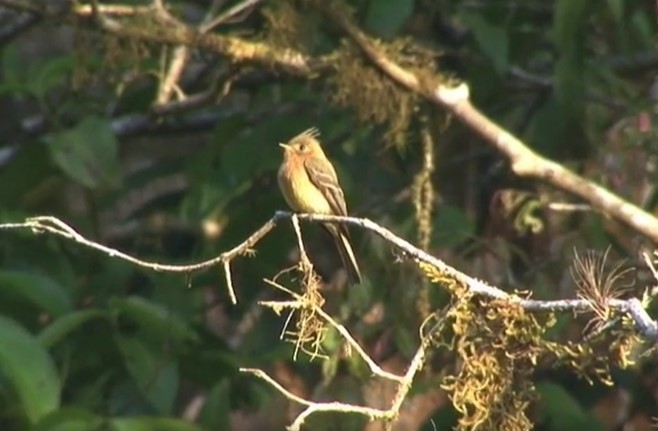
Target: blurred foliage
<point x="90" y="342"/>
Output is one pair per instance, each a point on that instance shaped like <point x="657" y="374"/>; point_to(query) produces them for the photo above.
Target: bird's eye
<point x="302" y="147"/>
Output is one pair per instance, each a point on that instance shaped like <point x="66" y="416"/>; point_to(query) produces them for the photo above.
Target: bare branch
<point x="312" y="407"/>
<point x="300" y="241"/>
<point x="229" y="14"/>
<point x="57" y="227"/>
<point x="19" y="25"/>
<point x="169" y="83"/>
<point x="342" y="330"/>
<point x="403" y="382"/>
<point x="633" y="306"/>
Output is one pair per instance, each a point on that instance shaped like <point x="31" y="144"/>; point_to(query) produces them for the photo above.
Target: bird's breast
<point x="300" y="193"/>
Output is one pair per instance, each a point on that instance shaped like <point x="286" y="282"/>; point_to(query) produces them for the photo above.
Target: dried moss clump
<point x="288" y="28"/>
<point x="101" y="56"/>
<point x="309" y="329"/>
<point x="375" y="97"/>
<point x="498" y="345"/>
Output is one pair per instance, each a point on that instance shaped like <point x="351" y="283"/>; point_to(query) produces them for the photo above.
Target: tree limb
<point x="645" y="325"/>
<point x="523" y="161"/>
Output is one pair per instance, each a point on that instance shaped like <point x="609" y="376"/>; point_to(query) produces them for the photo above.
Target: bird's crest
<point x="312" y="133"/>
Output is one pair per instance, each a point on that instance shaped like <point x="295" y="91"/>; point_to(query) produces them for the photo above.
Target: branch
<point x="342" y="330"/>
<point x="181" y="53"/>
<point x="313" y="407"/>
<point x="163" y="28"/>
<point x="19" y="25"/>
<point x="523" y="161"/>
<point x="55" y="226"/>
<point x="633" y="307"/>
<point x="403" y="382"/>
<point x="645" y="325"/>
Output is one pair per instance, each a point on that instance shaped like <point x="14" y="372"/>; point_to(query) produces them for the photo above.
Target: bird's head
<point x="305" y="144"/>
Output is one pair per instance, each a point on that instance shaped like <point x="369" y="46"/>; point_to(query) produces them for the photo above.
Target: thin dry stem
<point x="599" y="285"/>
<point x="299" y="302"/>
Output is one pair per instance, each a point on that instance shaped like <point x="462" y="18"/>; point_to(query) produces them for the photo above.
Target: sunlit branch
<point x="633" y="306"/>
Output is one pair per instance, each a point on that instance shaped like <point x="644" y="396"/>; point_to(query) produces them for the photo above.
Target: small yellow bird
<point x="309" y="184"/>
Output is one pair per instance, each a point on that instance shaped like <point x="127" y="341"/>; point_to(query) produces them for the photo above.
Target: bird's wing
<point x="323" y="176"/>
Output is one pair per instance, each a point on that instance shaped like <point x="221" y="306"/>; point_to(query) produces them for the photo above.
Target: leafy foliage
<point x="91" y="342"/>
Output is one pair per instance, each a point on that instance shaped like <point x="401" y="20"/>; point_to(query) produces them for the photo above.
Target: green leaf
<point x="547" y="127"/>
<point x="643" y="27"/>
<point x="62" y="327"/>
<point x="13" y="71"/>
<point x="216" y="410"/>
<point x="451" y="226"/>
<point x="405" y="339"/>
<point x="569" y="32"/>
<point x="154" y="320"/>
<point x="35" y="289"/>
<point x="492" y="40"/>
<point x="152" y="424"/>
<point x="569" y="23"/>
<point x="51" y="74"/>
<point x="617" y="8"/>
<point x="27" y="178"/>
<point x="155" y="374"/>
<point x="562" y="412"/>
<point x="29" y="371"/>
<point x="87" y="153"/>
<point x="256" y="151"/>
<point x="385" y="18"/>
<point x="69" y="419"/>
<point x="361" y="299"/>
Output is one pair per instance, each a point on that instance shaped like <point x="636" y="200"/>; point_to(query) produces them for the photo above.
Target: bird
<point x="309" y="184"/>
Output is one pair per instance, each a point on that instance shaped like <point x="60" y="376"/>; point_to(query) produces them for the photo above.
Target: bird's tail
<point x="346" y="254"/>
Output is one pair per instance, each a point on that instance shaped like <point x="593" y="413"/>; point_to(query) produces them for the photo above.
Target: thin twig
<point x="300" y="241"/>
<point x="229" y="14"/>
<point x="313" y="407"/>
<point x="342" y="330"/>
<point x="229" y="282"/>
<point x="568" y="207"/>
<point x="403" y="387"/>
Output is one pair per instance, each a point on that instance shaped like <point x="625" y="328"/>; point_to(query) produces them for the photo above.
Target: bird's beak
<point x="284" y="146"/>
